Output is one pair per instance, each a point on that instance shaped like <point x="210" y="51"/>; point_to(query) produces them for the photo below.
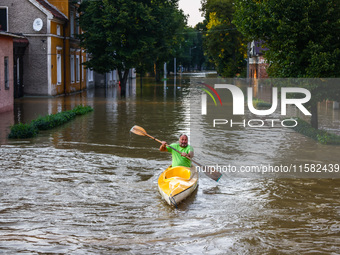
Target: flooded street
<point x="90" y="186"/>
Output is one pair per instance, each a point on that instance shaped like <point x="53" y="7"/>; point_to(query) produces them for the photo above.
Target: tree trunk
<point x="123" y="80"/>
<point x="157" y="72"/>
<point x="314" y="118"/>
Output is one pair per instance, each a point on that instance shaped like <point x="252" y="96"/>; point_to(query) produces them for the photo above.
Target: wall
<point x="61" y="5"/>
<point x="35" y="79"/>
<point x="35" y="67"/>
<point x="6" y="95"/>
<point x="257" y="67"/>
<point x="57" y="46"/>
<point x="21" y="14"/>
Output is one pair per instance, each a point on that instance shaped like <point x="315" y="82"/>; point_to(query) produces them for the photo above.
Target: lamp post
<point x="190" y="57"/>
<point x="175" y="69"/>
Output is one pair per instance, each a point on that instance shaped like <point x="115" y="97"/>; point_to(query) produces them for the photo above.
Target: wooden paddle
<point x="209" y="171"/>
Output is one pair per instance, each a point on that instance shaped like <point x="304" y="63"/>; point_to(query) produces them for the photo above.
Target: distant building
<point x="257" y="63"/>
<point x="111" y="78"/>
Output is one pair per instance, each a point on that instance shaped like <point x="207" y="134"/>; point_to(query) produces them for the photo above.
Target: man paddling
<point x="185" y="149"/>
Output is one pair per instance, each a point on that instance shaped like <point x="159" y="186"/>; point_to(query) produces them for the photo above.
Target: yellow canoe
<point x="177" y="183"/>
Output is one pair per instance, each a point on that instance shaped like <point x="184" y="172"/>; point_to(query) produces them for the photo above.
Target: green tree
<point x="169" y="30"/>
<point x="199" y="58"/>
<point x="184" y="52"/>
<point x="224" y="44"/>
<point x="302" y="37"/>
<point x="122" y="34"/>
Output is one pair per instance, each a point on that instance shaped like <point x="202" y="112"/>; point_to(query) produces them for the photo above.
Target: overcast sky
<point x="191" y="7"/>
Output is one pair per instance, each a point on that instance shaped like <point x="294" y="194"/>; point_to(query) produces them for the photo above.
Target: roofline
<point x="46" y="1"/>
<point x="41" y="8"/>
<point x="11" y="35"/>
<point x="47" y="12"/>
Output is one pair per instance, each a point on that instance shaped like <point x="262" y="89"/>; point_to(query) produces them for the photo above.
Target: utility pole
<point x="175" y="69"/>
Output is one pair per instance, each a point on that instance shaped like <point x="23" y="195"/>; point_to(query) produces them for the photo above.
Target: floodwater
<point x="90" y="186"/>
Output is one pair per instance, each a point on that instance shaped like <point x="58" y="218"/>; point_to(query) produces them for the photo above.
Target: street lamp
<point x="190" y="56"/>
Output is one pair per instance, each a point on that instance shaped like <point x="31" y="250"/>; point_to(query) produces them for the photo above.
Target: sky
<point x="191" y="7"/>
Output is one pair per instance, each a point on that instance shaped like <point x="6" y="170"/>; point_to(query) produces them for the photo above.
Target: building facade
<point x="11" y="50"/>
<point x="52" y="60"/>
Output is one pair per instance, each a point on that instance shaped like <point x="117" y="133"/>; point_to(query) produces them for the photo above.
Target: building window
<point x="6" y="73"/>
<point x="58" y="29"/>
<point x="3" y="19"/>
<point x="58" y="68"/>
<point x="72" y="68"/>
<point x="77" y="68"/>
<point x="77" y="26"/>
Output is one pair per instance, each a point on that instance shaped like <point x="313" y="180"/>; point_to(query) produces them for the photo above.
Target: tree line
<point x="141" y="34"/>
<point x="302" y="38"/>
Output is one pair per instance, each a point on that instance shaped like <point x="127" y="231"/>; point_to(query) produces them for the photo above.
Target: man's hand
<point x="183" y="154"/>
<point x="163" y="146"/>
<point x="187" y="155"/>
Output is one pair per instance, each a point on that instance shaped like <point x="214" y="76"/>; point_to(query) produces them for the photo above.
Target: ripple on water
<point x="84" y="202"/>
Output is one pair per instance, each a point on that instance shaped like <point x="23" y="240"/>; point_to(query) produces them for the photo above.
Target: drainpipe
<point x="80" y="74"/>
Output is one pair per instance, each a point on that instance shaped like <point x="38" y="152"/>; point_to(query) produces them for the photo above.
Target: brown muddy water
<point x="90" y="187"/>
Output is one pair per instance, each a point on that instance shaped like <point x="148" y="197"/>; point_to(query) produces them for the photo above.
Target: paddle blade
<point x="212" y="173"/>
<point x="138" y="130"/>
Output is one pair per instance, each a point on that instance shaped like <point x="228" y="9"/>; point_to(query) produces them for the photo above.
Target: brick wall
<point x="257" y="68"/>
<point x="35" y="69"/>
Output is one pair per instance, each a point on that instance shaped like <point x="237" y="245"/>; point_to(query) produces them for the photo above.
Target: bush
<point x="23" y="131"/>
<point x="81" y="110"/>
<point x="53" y="120"/>
<point x="47" y="122"/>
<point x="258" y="103"/>
<point x="321" y="136"/>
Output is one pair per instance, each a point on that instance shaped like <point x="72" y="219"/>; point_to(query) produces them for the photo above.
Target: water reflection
<point x="91" y="187"/>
